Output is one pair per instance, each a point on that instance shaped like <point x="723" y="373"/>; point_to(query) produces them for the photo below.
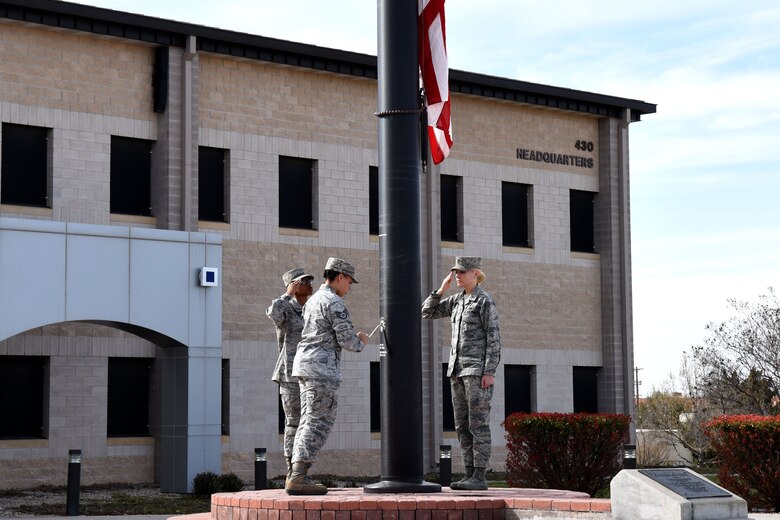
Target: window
<point x="517" y="389"/>
<point x="128" y="397"/>
<point x="581" y="220"/>
<point x="296" y="193"/>
<point x="23" y="390"/>
<point x="131" y="174"/>
<point x="226" y="397"/>
<point x="447" y="413"/>
<point x="451" y="208"/>
<point x="25" y="165"/>
<point x="212" y="184"/>
<point x="373" y="200"/>
<point x="376" y="397"/>
<point x="514" y="214"/>
<point x="585" y="388"/>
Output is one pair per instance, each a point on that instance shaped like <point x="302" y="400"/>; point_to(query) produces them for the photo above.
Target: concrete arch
<point x="143" y="281"/>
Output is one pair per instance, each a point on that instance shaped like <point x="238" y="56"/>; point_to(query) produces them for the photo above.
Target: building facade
<point x="174" y="147"/>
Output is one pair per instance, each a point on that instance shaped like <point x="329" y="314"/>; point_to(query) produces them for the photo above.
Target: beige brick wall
<point x="274" y="100"/>
<point x="490" y="131"/>
<point x="76" y="72"/>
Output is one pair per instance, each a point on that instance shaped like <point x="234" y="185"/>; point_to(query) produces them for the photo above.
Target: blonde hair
<point x="480" y="276"/>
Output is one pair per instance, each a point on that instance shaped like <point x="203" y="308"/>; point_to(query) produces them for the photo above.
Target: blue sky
<point x="705" y="169"/>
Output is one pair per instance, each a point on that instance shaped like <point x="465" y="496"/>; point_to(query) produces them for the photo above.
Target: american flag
<point x="435" y="75"/>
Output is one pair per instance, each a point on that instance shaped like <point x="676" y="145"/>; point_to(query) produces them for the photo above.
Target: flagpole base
<point x="398" y="486"/>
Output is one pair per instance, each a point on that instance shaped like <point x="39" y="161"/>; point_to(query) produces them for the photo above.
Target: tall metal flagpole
<point x="399" y="252"/>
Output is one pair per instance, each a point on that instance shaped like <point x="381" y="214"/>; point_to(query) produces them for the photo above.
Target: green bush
<point x="230" y="482"/>
<point x="576" y="452"/>
<point x="205" y="484"/>
<point x="748" y="449"/>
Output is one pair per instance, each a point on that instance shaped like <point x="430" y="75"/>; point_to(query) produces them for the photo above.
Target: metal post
<point x="74" y="483"/>
<point x="261" y="472"/>
<point x="629" y="456"/>
<point x="399" y="251"/>
<point x="445" y="465"/>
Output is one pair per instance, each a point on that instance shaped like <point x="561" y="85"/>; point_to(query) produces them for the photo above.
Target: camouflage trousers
<point x="319" y="401"/>
<point x="291" y="404"/>
<point x="471" y="407"/>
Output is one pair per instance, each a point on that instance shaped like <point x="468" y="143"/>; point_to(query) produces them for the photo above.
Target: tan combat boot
<point x="298" y="484"/>
<point x="289" y="467"/>
<point x="457" y="484"/>
<point x="476" y="482"/>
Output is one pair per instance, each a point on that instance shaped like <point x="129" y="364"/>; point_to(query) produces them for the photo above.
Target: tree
<point x="741" y="358"/>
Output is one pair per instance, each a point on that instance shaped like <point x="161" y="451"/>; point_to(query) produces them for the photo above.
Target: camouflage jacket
<point x="287" y="315"/>
<point x="327" y="329"/>
<point x="476" y="340"/>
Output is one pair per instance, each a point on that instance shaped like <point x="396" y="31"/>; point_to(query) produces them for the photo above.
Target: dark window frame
<point x="128" y="402"/>
<point x="581" y="221"/>
<point x="375" y="397"/>
<point x="297" y="193"/>
<point x="585" y="389"/>
<point x="131" y="176"/>
<point x="213" y="184"/>
<point x="447" y="411"/>
<point x="518" y="389"/>
<point x="373" y="200"/>
<point x="24" y="392"/>
<point x="25" y="165"/>
<point x="225" y="398"/>
<point x="451" y="207"/>
<point x="515" y="214"/>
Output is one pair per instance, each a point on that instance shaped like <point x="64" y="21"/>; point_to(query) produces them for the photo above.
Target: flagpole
<point x="399" y="251"/>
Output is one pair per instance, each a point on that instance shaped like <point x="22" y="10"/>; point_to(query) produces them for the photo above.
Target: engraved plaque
<point x="685" y="484"/>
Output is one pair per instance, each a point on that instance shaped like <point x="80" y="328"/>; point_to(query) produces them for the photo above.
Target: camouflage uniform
<point x="475" y="351"/>
<point x="287" y="315"/>
<point x="327" y="329"/>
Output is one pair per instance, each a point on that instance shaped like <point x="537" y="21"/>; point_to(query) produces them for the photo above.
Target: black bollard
<point x="261" y="473"/>
<point x="629" y="456"/>
<point x="445" y="465"/>
<point x="74" y="483"/>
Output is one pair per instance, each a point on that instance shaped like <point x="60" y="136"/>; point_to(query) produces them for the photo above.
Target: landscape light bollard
<point x="74" y="483"/>
<point x="445" y="465"/>
<point x="261" y="475"/>
<point x="629" y="456"/>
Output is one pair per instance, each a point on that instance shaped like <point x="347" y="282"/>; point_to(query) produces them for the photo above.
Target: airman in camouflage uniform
<point x="474" y="356"/>
<point x="286" y="312"/>
<point x="327" y="329"/>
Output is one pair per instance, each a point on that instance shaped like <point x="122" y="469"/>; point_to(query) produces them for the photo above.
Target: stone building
<point x="159" y="177"/>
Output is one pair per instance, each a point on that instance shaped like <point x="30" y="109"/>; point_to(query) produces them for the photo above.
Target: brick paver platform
<point x="354" y="504"/>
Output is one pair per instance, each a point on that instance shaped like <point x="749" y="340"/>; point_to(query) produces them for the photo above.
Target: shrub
<point x="205" y="484"/>
<point x="577" y="452"/>
<point x="230" y="482"/>
<point x="748" y="449"/>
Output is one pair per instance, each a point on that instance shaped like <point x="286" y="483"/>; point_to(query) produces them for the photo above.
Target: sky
<point x="705" y="169"/>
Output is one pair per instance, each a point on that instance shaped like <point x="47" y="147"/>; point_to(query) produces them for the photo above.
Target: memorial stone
<point x="672" y="494"/>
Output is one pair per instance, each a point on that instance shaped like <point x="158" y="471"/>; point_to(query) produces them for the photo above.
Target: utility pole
<point x="637" y="382"/>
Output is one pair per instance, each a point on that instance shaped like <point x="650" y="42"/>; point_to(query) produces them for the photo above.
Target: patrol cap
<point x="341" y="266"/>
<point x="295" y="274"/>
<point x="466" y="263"/>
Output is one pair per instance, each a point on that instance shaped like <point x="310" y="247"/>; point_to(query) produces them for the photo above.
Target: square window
<point x="131" y="176"/>
<point x="585" y="389"/>
<point x="517" y="389"/>
<point x="296" y="193"/>
<point x="23" y="392"/>
<point x="373" y="200"/>
<point x="212" y="184"/>
<point x="514" y="214"/>
<point x="447" y="413"/>
<point x="24" y="176"/>
<point x="451" y="208"/>
<point x="581" y="221"/>
<point x="128" y="397"/>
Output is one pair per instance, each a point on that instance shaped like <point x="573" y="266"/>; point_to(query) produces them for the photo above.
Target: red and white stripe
<point x="435" y="75"/>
